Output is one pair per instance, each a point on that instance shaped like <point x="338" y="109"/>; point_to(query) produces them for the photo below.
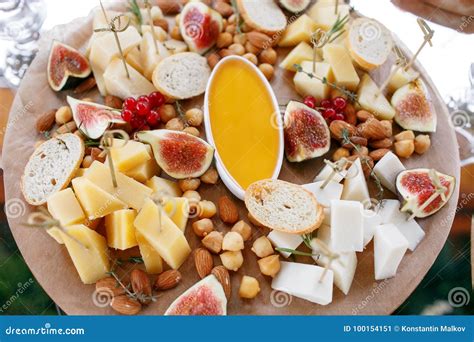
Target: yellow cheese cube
<point x="55" y="233"/>
<point x="64" y="206"/>
<point x="298" y="31"/>
<point x="160" y="34"/>
<point x="88" y="251"/>
<point x="80" y="172"/>
<point x="133" y="58"/>
<point x="120" y="230"/>
<point x="94" y="200"/>
<point x="128" y="155"/>
<point x="341" y="64"/>
<point x="302" y="52"/>
<point x="177" y="208"/>
<point x="128" y="190"/>
<point x="151" y="258"/>
<point x="306" y="85"/>
<point x="145" y="171"/>
<point x="162" y="234"/>
<point x="324" y="15"/>
<point x="370" y="98"/>
<point x="400" y="78"/>
<point x="164" y="187"/>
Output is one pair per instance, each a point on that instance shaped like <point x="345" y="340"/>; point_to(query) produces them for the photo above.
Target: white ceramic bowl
<point x="226" y="177"/>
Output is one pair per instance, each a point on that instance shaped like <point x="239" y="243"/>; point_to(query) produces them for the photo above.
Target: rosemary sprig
<point x="238" y="17"/>
<point x="294" y="251"/>
<point x="337" y="29"/>
<point x="346" y="140"/>
<point x="135" y="9"/>
<point x="307" y="239"/>
<point x="132" y="260"/>
<point x="350" y="95"/>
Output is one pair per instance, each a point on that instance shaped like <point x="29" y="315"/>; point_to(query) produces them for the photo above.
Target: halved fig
<point x="306" y="133"/>
<point x="93" y="119"/>
<point x="413" y="107"/>
<point x="179" y="154"/>
<point x="66" y="66"/>
<point x="205" y="298"/>
<point x="200" y="25"/>
<point x="418" y="185"/>
<point x="295" y="6"/>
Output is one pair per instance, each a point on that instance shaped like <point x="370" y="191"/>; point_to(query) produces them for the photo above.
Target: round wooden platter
<point x="54" y="270"/>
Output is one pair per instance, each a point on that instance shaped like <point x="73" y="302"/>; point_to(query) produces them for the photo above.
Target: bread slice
<point x="263" y="15"/>
<point x="369" y="42"/>
<point x="182" y="76"/>
<point x="283" y="206"/>
<point x="51" y="167"/>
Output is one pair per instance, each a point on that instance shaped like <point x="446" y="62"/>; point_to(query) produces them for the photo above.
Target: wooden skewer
<point x="399" y="63"/>
<point x="319" y="38"/>
<point x="337" y="167"/>
<point x="427" y="36"/>
<point x="440" y="190"/>
<point x="152" y="27"/>
<point x="336" y="6"/>
<point x="107" y="143"/>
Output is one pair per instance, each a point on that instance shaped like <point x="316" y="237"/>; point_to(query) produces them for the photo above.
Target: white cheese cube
<point x="372" y="219"/>
<point x="387" y="170"/>
<point x="327" y="216"/>
<point x="389" y="210"/>
<point x="347" y="226"/>
<point x="355" y="186"/>
<point x="332" y="191"/>
<point x="324" y="234"/>
<point x="389" y="248"/>
<point x="343" y="267"/>
<point x="311" y="86"/>
<point x="304" y="281"/>
<point x="284" y="240"/>
<point x="411" y="230"/>
<point x="326" y="172"/>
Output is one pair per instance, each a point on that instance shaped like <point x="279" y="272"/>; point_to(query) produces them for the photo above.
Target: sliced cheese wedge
<point x="372" y="100"/>
<point x="389" y="248"/>
<point x="355" y="185"/>
<point x="387" y="169"/>
<point x="284" y="240"/>
<point x="347" y="226"/>
<point x="332" y="191"/>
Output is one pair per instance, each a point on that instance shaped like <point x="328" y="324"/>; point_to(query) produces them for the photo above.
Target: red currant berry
<point x="153" y="118"/>
<point x="157" y="99"/>
<point x="137" y="122"/>
<point x="143" y="108"/>
<point x="310" y="101"/>
<point x="127" y="115"/>
<point x="339" y="116"/>
<point x="143" y="98"/>
<point x="145" y="128"/>
<point x="326" y="104"/>
<point x="339" y="103"/>
<point x="329" y="113"/>
<point x="129" y="103"/>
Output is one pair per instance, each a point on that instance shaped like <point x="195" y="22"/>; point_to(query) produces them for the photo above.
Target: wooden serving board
<point x="54" y="270"/>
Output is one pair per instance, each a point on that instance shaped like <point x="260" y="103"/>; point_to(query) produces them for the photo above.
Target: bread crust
<point x="249" y="21"/>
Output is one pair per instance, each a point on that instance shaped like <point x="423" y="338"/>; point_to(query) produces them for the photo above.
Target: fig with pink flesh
<point x="414" y="110"/>
<point x="417" y="186"/>
<point x="295" y="6"/>
<point x="205" y="298"/>
<point x="200" y="26"/>
<point x="306" y="133"/>
<point x="93" y="119"/>
<point x="66" y="66"/>
<point x="179" y="154"/>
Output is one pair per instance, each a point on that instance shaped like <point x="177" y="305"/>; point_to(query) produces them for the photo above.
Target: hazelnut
<point x="404" y="148"/>
<point x="175" y="33"/>
<point x="231" y="28"/>
<point x="192" y="195"/>
<point x="224" y="40"/>
<point x="203" y="227"/>
<point x="249" y="287"/>
<point x="233" y="241"/>
<point x="210" y="176"/>
<point x="189" y="184"/>
<point x="213" y="241"/>
<point x="194" y="117"/>
<point x="268" y="56"/>
<point x="249" y="47"/>
<point x="262" y="247"/>
<point x="175" y="124"/>
<point x="422" y="143"/>
<point x="270" y="265"/>
<point x="267" y="70"/>
<point x="243" y="228"/>
<point x="192" y="130"/>
<point x="238" y="49"/>
<point x="213" y="59"/>
<point x="340" y="153"/>
<point x="167" y="112"/>
<point x="405" y="135"/>
<point x="232" y="260"/>
<point x="240" y="39"/>
<point x="63" y="115"/>
<point x="251" y="58"/>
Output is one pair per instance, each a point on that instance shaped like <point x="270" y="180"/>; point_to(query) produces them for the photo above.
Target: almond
<point x="222" y="274"/>
<point x="372" y="129"/>
<point x="109" y="286"/>
<point x="203" y="262"/>
<point x="337" y="127"/>
<point x="383" y="143"/>
<point x="46" y="121"/>
<point x="125" y="305"/>
<point x="259" y="39"/>
<point x="97" y="154"/>
<point x="350" y="113"/>
<point x="170" y="6"/>
<point x="141" y="285"/>
<point x="113" y="102"/>
<point x="68" y="127"/>
<point x="85" y="85"/>
<point x="378" y="154"/>
<point x="388" y="128"/>
<point x="167" y="280"/>
<point x="228" y="211"/>
<point x="358" y="141"/>
<point x="163" y="23"/>
<point x="363" y="115"/>
<point x="224" y="9"/>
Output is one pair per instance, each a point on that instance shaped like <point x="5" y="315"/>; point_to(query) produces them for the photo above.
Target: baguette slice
<point x="263" y="15"/>
<point x="369" y="43"/>
<point x="51" y="167"/>
<point x="182" y="76"/>
<point x="283" y="206"/>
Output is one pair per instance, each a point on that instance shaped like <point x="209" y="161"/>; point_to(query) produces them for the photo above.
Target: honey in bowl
<point x="243" y="123"/>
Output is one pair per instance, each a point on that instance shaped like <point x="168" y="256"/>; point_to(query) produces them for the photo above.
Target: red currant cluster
<point x="330" y="109"/>
<point x="143" y="113"/>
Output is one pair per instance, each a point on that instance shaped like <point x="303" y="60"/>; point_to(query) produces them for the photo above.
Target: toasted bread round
<point x="182" y="76"/>
<point x="51" y="167"/>
<point x="283" y="206"/>
<point x="263" y="15"/>
<point x="369" y="43"/>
